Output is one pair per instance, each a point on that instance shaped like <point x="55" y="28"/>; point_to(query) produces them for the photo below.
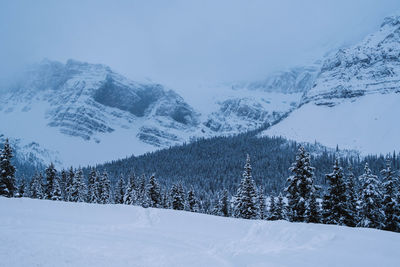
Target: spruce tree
<point x="314" y="215"/>
<point x="130" y="195"/>
<point x="390" y="195"/>
<point x="154" y="192"/>
<point x="93" y="187"/>
<point x="261" y="204"/>
<point x="51" y="176"/>
<point x="281" y="211"/>
<point x="300" y="186"/>
<point x="273" y="209"/>
<point x="7" y="171"/>
<point x="191" y="201"/>
<point x="246" y="205"/>
<point x="371" y="214"/>
<point x="69" y="187"/>
<point x="63" y="185"/>
<point x="104" y="189"/>
<point x="336" y="212"/>
<point x="141" y="191"/>
<point x="352" y="200"/>
<point x="216" y="206"/>
<point x="177" y="197"/>
<point x="223" y="206"/>
<point x="36" y="187"/>
<point x="120" y="191"/>
<point x="22" y="188"/>
<point x="56" y="193"/>
<point x="165" y="201"/>
<point x="78" y="187"/>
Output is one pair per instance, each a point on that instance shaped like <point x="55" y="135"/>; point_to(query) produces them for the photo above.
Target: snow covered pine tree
<point x="246" y="205"/>
<point x="371" y="214"/>
<point x="300" y="187"/>
<point x="7" y="171"/>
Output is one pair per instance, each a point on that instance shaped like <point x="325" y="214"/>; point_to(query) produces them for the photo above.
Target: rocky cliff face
<point x="77" y="108"/>
<point x="354" y="100"/>
<point x="294" y="80"/>
<point x="87" y="99"/>
<point x="372" y="66"/>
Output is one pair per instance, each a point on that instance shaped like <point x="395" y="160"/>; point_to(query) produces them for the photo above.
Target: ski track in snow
<point x="49" y="233"/>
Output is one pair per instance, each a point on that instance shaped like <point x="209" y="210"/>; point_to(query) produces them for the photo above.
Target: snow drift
<point x="49" y="233"/>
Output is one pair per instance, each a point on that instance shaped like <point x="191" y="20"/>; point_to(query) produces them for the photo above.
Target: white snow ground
<point x="49" y="233"/>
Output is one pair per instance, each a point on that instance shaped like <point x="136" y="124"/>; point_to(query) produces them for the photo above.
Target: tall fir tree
<point x="191" y="201"/>
<point x="78" y="187"/>
<point x="7" y="171"/>
<point x="120" y="191"/>
<point x="51" y="176"/>
<point x="141" y="195"/>
<point x="93" y="187"/>
<point x="130" y="195"/>
<point x="336" y="212"/>
<point x="165" y="201"/>
<point x="224" y="205"/>
<point x="300" y="186"/>
<point x="261" y="204"/>
<point x="56" y="193"/>
<point x="246" y="204"/>
<point x="281" y="210"/>
<point x="352" y="199"/>
<point x="69" y="187"/>
<point x="314" y="215"/>
<point x="154" y="192"/>
<point x="105" y="189"/>
<point x="216" y="206"/>
<point x="36" y="187"/>
<point x="391" y="207"/>
<point x="177" y="196"/>
<point x="21" y="188"/>
<point x="371" y="214"/>
<point x="273" y="209"/>
<point x="63" y="185"/>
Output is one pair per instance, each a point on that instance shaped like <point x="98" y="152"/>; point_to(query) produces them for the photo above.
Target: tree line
<point x="368" y="201"/>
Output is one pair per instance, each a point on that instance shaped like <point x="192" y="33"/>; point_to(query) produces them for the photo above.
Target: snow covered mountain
<point x="295" y="80"/>
<point x="80" y="113"/>
<point x="48" y="233"/>
<point x="354" y="99"/>
<point x="70" y="108"/>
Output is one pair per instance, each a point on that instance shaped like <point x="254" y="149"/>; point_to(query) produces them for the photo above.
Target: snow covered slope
<point x="84" y="113"/>
<point x="48" y="233"/>
<point x="87" y="113"/>
<point x="354" y="100"/>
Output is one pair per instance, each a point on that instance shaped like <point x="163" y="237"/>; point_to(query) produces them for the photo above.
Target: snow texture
<point x="52" y="233"/>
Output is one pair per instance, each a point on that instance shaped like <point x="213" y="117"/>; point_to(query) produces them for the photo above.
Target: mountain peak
<point x="391" y="21"/>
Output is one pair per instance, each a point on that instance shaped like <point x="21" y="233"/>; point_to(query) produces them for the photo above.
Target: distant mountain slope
<point x="86" y="114"/>
<point x="354" y="99"/>
<point x="293" y="80"/>
<point x="53" y="233"/>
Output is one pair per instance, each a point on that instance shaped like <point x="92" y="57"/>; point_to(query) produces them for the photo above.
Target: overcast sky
<point x="184" y="42"/>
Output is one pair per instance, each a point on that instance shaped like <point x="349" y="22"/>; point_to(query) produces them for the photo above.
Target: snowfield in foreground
<point x="49" y="233"/>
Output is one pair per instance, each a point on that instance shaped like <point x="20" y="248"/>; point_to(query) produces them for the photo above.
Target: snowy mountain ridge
<point x="354" y="100"/>
<point x="370" y="67"/>
<point x="79" y="110"/>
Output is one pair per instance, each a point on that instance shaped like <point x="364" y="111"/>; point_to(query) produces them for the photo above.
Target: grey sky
<point x="184" y="42"/>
